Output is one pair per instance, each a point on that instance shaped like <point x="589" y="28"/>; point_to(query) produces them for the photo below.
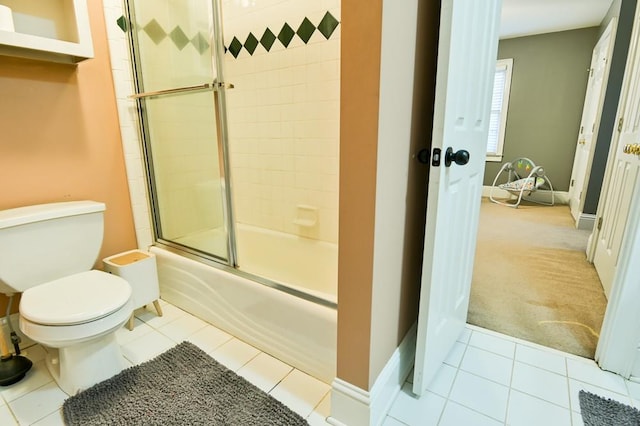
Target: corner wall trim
<point x="353" y="406"/>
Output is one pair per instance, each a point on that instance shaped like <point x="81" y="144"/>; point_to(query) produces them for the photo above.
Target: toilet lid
<point x="75" y="299"/>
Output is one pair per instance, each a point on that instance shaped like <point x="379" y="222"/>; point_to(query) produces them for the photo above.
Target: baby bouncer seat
<point x="523" y="178"/>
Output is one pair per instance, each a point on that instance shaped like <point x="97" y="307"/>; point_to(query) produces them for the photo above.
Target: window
<point x="499" y="107"/>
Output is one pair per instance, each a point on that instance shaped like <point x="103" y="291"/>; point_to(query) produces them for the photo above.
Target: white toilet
<point x="47" y="252"/>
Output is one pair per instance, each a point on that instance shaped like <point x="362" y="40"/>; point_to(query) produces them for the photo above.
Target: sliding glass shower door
<point x="181" y="100"/>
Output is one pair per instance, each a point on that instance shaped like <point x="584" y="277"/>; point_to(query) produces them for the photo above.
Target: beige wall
<point x="382" y="187"/>
<point x="60" y="140"/>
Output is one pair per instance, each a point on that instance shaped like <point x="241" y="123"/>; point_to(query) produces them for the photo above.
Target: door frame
<point x="620" y="334"/>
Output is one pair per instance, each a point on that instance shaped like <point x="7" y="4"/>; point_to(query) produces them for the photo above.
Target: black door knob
<point x="460" y="157"/>
<point x="423" y="156"/>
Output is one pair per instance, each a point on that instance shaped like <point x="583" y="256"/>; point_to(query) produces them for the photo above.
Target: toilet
<point x="46" y="253"/>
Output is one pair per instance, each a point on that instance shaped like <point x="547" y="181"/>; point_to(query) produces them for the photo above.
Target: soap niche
<point x="54" y="30"/>
<point x="53" y="19"/>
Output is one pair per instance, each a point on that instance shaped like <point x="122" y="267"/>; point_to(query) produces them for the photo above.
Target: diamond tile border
<point x="305" y="30"/>
<point x="284" y="35"/>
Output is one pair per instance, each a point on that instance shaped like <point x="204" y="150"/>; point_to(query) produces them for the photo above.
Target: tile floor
<point x="488" y="379"/>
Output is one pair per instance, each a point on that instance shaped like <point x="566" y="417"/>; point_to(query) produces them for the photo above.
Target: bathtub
<point x="297" y="331"/>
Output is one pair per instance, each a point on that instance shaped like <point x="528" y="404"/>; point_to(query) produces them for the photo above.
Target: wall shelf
<point x="53" y="30"/>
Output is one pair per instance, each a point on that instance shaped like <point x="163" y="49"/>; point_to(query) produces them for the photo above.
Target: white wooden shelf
<point x="51" y="30"/>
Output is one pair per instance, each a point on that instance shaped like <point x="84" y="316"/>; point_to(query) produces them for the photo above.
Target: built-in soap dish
<point x="306" y="216"/>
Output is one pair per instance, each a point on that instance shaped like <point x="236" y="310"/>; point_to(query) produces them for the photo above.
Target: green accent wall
<point x="548" y="85"/>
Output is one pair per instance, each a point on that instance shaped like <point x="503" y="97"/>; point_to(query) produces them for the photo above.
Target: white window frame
<point x="501" y="64"/>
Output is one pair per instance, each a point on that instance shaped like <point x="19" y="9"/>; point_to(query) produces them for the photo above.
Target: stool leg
<point x="130" y="323"/>
<point x="156" y="304"/>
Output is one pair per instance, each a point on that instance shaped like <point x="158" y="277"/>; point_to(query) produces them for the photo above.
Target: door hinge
<point x="573" y="181"/>
<point x="591" y="72"/>
<point x="620" y="122"/>
<point x="581" y="129"/>
<point x="599" y="223"/>
<point x="593" y="128"/>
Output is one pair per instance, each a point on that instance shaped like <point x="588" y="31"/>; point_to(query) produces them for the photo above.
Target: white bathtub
<point x="296" y="331"/>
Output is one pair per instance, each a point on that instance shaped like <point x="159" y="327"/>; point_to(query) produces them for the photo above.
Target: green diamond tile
<point x="285" y="35"/>
<point x="267" y="39"/>
<point x="327" y="25"/>
<point x="155" y="31"/>
<point x="235" y="47"/>
<point x="179" y="38"/>
<point x="251" y="43"/>
<point x="123" y="24"/>
<point x="200" y="43"/>
<point x="305" y="30"/>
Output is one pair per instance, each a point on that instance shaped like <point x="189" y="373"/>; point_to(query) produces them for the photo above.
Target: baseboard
<point x="560" y="197"/>
<point x="353" y="406"/>
<point x="586" y="221"/>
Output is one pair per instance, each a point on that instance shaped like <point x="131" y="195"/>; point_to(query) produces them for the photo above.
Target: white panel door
<point x="596" y="87"/>
<point x="466" y="65"/>
<point x="623" y="179"/>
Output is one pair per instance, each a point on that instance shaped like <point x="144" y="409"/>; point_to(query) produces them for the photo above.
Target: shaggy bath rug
<point x="182" y="386"/>
<point x="599" y="411"/>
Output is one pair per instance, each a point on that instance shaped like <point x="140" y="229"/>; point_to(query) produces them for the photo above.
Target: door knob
<point x="423" y="156"/>
<point x="460" y="157"/>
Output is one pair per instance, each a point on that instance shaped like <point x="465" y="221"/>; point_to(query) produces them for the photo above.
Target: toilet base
<point x="80" y="366"/>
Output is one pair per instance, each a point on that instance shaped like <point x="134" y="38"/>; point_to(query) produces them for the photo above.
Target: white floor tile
<point x="480" y="394"/>
<point x="414" y="411"/>
<point x="35" y="353"/>
<point x="634" y="392"/>
<point x="300" y="392"/>
<point x="38" y="404"/>
<point x="443" y="381"/>
<point x="526" y="410"/>
<point x="53" y="419"/>
<point x="318" y="416"/>
<point x="542" y="359"/>
<point x="488" y="365"/>
<point x="265" y="371"/>
<point x="576" y="419"/>
<point x="182" y="328"/>
<point x="390" y="421"/>
<point x="209" y="338"/>
<point x="36" y="377"/>
<point x="150" y="316"/>
<point x="147" y="347"/>
<point x="458" y="415"/>
<point x="6" y="418"/>
<point x="124" y="335"/>
<point x="493" y="344"/>
<point x="541" y="383"/>
<point x="234" y="354"/>
<point x="575" y="387"/>
<point x="589" y="372"/>
<point x="465" y="336"/>
<point x="455" y="356"/>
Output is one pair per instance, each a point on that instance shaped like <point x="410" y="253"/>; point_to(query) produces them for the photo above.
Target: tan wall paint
<point x="60" y="137"/>
<point x="365" y="345"/>
<point x="359" y="95"/>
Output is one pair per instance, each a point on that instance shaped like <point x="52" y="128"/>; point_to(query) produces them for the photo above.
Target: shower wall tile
<point x="284" y="117"/>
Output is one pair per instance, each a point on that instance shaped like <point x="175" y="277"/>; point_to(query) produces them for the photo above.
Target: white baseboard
<point x="353" y="406"/>
<point x="586" y="221"/>
<point x="560" y="197"/>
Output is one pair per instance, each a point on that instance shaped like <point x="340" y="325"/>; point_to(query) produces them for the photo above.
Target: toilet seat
<point x="75" y="299"/>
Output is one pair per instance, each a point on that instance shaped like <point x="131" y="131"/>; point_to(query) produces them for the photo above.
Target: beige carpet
<point x="532" y="281"/>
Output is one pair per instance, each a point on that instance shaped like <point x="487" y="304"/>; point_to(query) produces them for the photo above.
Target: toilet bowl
<point x="47" y="253"/>
<point x="76" y="318"/>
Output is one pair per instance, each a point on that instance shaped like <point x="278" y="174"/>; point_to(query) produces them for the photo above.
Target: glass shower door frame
<point x="218" y="88"/>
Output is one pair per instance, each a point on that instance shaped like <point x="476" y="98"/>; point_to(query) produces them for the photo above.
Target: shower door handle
<point x="206" y="86"/>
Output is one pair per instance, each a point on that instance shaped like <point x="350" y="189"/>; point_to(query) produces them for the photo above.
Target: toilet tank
<point x="45" y="242"/>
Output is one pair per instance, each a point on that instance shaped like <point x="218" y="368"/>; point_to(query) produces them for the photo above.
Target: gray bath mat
<point x="183" y="386"/>
<point x="599" y="411"/>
